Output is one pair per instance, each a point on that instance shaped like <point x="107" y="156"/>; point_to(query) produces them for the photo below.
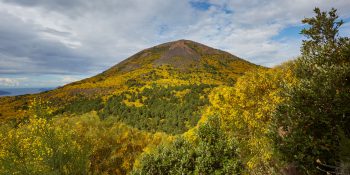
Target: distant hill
<point x="162" y="88"/>
<point x="24" y="91"/>
<point x="45" y="89"/>
<point x="4" y="92"/>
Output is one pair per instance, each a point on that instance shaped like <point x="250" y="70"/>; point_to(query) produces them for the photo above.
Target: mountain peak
<point x="178" y="54"/>
<point x="190" y="44"/>
<point x="178" y="44"/>
<point x="181" y="54"/>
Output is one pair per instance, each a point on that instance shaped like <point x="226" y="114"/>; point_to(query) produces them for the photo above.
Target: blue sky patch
<point x="200" y="5"/>
<point x="289" y="32"/>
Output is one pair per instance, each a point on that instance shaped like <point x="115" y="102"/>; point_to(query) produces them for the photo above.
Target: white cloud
<point x="9" y="82"/>
<point x="81" y="37"/>
<point x="250" y="30"/>
<point x="69" y="79"/>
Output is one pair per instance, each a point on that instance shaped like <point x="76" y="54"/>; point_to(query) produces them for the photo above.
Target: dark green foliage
<point x="344" y="147"/>
<point x="213" y="153"/>
<point x="210" y="68"/>
<point x="133" y="83"/>
<point x="323" y="32"/>
<point x="216" y="154"/>
<point x="344" y="167"/>
<point x="177" y="158"/>
<point x="317" y="109"/>
<point x="231" y="82"/>
<point x="162" y="110"/>
<point x="82" y="106"/>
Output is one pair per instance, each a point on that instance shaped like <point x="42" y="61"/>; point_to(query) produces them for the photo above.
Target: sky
<point x="48" y="43"/>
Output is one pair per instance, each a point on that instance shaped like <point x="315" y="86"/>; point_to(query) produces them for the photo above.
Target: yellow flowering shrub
<point x="38" y="147"/>
<point x="246" y="110"/>
<point x="114" y="146"/>
<point x="72" y="145"/>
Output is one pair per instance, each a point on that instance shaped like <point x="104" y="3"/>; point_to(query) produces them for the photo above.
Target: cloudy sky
<point x="48" y="43"/>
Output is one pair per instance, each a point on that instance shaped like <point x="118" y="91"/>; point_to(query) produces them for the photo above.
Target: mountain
<point x="23" y="91"/>
<point x="162" y="88"/>
<point x="4" y="92"/>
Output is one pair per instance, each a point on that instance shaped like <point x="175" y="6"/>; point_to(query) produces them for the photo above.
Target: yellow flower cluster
<point x="247" y="108"/>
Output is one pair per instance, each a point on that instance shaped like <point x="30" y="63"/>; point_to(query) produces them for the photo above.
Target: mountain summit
<point x="162" y="88"/>
<point x="181" y="54"/>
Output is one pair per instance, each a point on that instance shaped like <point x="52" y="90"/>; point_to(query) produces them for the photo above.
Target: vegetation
<point x="172" y="110"/>
<point x="316" y="116"/>
<point x="247" y="110"/>
<point x="72" y="145"/>
<point x="192" y="110"/>
<point x="145" y="80"/>
<point x="82" y="106"/>
<point x="210" y="153"/>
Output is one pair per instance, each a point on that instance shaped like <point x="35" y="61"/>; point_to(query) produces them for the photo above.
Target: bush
<point x="316" y="110"/>
<point x="211" y="153"/>
<point x="40" y="148"/>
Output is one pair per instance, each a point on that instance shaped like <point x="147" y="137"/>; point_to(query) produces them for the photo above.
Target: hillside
<point x="185" y="108"/>
<point x="162" y="88"/>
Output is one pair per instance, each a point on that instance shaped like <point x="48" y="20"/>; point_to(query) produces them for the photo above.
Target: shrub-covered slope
<point x="163" y="88"/>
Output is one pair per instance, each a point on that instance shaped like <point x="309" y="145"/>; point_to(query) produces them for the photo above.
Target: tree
<point x="322" y="33"/>
<point x="212" y="153"/>
<point x="316" y="110"/>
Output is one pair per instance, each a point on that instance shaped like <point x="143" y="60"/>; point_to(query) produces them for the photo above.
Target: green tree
<point x="211" y="153"/>
<point x="317" y="109"/>
<point x="322" y="34"/>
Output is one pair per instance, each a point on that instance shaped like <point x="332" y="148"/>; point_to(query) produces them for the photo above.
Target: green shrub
<point x="317" y="109"/>
<point x="211" y="153"/>
<point x="161" y="110"/>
